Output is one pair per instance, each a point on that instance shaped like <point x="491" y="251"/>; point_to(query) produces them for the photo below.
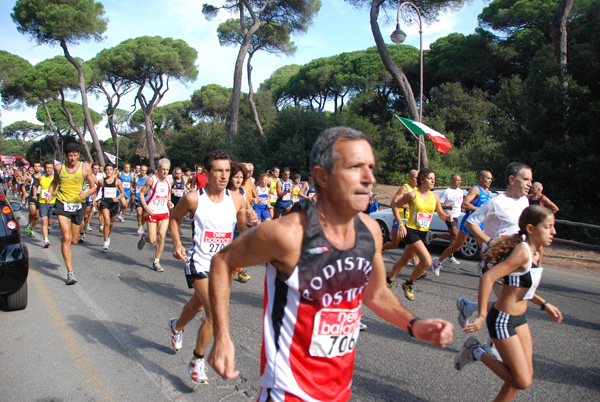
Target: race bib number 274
<point x="335" y="332"/>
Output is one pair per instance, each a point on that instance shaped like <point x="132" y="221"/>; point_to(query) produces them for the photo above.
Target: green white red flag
<point x="439" y="140"/>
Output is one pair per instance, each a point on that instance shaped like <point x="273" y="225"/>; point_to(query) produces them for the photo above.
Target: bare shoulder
<point x="373" y="226"/>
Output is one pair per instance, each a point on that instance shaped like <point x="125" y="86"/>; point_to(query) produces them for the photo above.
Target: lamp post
<point x="61" y="148"/>
<point x="38" y="150"/>
<point x="398" y="36"/>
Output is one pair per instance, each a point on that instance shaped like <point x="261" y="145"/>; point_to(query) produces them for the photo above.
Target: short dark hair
<point x="72" y="147"/>
<point x="323" y="152"/>
<point x="214" y="156"/>
<point x="513" y="169"/>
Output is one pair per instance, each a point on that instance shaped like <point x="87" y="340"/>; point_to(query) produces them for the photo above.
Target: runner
<point x="261" y="198"/>
<point x="422" y="203"/>
<point x="127" y="178"/>
<point x="501" y="218"/>
<point x="45" y="208"/>
<point x="274" y="179"/>
<point x="478" y="195"/>
<point x="34" y="213"/>
<point x="283" y="205"/>
<point x="404" y="189"/>
<point x="537" y="198"/>
<point x="296" y="188"/>
<point x="451" y="200"/>
<point x="199" y="179"/>
<point x="517" y="263"/>
<point x="140" y="181"/>
<point x="237" y="179"/>
<point x="109" y="204"/>
<point x="157" y="209"/>
<point x="306" y="354"/>
<point x="68" y="187"/>
<point x="179" y="188"/>
<point x="308" y="189"/>
<point x="217" y="212"/>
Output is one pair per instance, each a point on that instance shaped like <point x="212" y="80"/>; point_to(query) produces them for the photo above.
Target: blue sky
<point x="337" y="28"/>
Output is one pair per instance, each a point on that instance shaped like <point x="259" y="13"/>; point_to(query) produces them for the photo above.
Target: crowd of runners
<point x="323" y="255"/>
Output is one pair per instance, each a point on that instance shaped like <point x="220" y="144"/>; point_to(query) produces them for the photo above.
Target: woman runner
<point x="517" y="263"/>
<point x="110" y="202"/>
<point x="422" y="203"/>
<point x="237" y="178"/>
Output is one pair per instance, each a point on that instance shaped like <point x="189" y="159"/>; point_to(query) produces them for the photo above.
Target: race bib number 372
<point x="335" y="332"/>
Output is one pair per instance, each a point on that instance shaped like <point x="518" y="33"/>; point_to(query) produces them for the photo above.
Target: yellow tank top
<point x="406" y="211"/>
<point x="70" y="185"/>
<point x="295" y="192"/>
<point x="421" y="212"/>
<point x="45" y="182"/>
<point x="273" y="190"/>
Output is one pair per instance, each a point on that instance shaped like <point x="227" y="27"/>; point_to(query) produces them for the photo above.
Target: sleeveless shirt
<point x="70" y="185"/>
<point x="158" y="197"/>
<point x="421" y="212"/>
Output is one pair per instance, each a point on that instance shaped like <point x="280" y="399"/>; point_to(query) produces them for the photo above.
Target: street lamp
<point x="398" y="36"/>
<point x="40" y="154"/>
<point x="61" y="148"/>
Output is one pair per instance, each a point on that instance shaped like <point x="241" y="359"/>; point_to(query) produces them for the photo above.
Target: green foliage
<point x="50" y="22"/>
<point x="212" y="102"/>
<point x="12" y="69"/>
<point x="58" y="115"/>
<point x="188" y="147"/>
<point x="23" y="130"/>
<point x="271" y="37"/>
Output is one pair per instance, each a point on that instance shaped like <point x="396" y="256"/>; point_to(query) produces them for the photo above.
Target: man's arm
<point x="143" y="192"/>
<point x="278" y="241"/>
<point x="386" y="305"/>
<point x="545" y="202"/>
<point x="188" y="203"/>
<point x="477" y="217"/>
<point x="88" y="174"/>
<point x="467" y="203"/>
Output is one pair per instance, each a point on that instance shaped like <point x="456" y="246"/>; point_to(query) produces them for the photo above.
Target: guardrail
<point x="576" y="243"/>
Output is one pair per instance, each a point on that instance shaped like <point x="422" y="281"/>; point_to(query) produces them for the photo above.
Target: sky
<point x="337" y="28"/>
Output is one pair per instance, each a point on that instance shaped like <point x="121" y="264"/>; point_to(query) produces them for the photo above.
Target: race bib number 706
<point x="335" y="332"/>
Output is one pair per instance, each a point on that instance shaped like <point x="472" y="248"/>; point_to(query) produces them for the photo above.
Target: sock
<point x="156" y="260"/>
<point x="477" y="352"/>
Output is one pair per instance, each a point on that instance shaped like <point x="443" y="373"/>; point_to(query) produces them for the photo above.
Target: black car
<point x="14" y="258"/>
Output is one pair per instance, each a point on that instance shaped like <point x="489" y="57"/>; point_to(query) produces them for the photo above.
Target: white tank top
<point x="158" y="197"/>
<point x="212" y="229"/>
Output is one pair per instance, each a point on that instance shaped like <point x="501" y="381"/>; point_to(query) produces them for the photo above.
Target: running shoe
<point x="140" y="230"/>
<point x="480" y="268"/>
<point x="156" y="266"/>
<point x="491" y="350"/>
<point x="142" y="242"/>
<point x="31" y="233"/>
<point x="89" y="228"/>
<point x="71" y="278"/>
<point x="436" y="267"/>
<point x="363" y="327"/>
<point x="120" y="218"/>
<point x="408" y="291"/>
<point x="105" y="245"/>
<point x="197" y="370"/>
<point x="428" y="237"/>
<point x="46" y="243"/>
<point x="465" y="356"/>
<point x="422" y="276"/>
<point x="108" y="240"/>
<point x="81" y="238"/>
<point x="28" y="228"/>
<point x="101" y="229"/>
<point x="176" y="336"/>
<point x="388" y="282"/>
<point x="243" y="277"/>
<point x="453" y="260"/>
<point x="463" y="313"/>
<point x="409" y="264"/>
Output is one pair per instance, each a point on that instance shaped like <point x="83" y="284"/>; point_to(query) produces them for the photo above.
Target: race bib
<point x="287" y="197"/>
<point x="213" y="242"/>
<point x="274" y="196"/>
<point x="536" y="278"/>
<point x="178" y="192"/>
<point x="110" y="192"/>
<point x="296" y="198"/>
<point x="39" y="189"/>
<point x="137" y="189"/>
<point x="423" y="220"/>
<point x="72" y="206"/>
<point x="126" y="184"/>
<point x="43" y="194"/>
<point x="335" y="332"/>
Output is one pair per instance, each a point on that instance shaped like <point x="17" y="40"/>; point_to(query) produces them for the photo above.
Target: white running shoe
<point x="105" y="245"/>
<point x="197" y="370"/>
<point x="176" y="336"/>
<point x="453" y="260"/>
<point x="465" y="356"/>
<point x="463" y="312"/>
<point x="436" y="267"/>
<point x="120" y="218"/>
<point x="140" y="230"/>
<point x="490" y="349"/>
<point x="428" y="237"/>
<point x="101" y="229"/>
<point x="89" y="228"/>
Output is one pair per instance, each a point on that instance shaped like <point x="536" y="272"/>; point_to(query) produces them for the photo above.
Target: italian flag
<point x="440" y="142"/>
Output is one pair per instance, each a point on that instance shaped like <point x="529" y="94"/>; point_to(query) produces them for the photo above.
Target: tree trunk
<point x="559" y="36"/>
<point x="149" y="139"/>
<point x="74" y="126"/>
<point x="237" y="75"/>
<point x="84" y="103"/>
<point x="251" y="97"/>
<point x="397" y="74"/>
<point x="55" y="131"/>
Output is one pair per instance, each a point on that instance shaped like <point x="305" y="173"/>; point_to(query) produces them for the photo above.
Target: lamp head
<point x="398" y="36"/>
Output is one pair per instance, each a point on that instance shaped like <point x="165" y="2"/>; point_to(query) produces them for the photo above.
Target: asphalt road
<point x="106" y="338"/>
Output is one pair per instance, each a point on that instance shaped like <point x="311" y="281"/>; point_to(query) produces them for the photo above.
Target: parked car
<point x="14" y="258"/>
<point x="469" y="250"/>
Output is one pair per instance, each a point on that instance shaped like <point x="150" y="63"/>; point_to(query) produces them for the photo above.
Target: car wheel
<point x="18" y="300"/>
<point x="470" y="249"/>
<point x="385" y="233"/>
